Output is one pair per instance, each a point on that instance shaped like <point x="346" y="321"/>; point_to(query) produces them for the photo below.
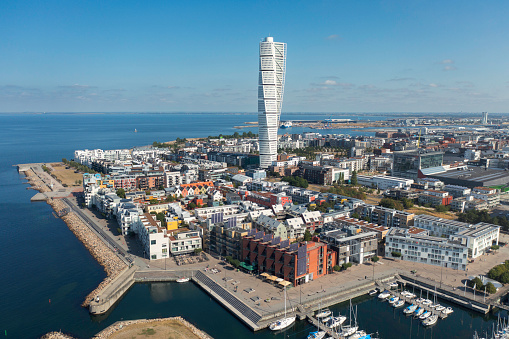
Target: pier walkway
<point x="231" y="302"/>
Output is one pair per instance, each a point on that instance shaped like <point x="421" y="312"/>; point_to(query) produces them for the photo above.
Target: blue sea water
<point x="46" y="271"/>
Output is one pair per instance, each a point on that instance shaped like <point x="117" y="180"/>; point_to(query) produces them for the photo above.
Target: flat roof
<point x="475" y="173"/>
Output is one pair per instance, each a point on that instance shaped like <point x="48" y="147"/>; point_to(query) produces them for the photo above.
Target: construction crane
<point x="419" y="139"/>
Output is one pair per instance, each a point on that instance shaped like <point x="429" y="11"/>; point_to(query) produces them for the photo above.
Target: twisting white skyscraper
<point x="271" y="86"/>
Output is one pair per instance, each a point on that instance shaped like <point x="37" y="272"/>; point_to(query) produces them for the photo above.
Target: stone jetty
<point x="56" y="335"/>
<point x="112" y="264"/>
<point x="36" y="182"/>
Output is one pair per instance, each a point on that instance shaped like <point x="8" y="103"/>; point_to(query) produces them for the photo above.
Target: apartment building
<point x="350" y="245"/>
<point x="478" y="238"/>
<point x="385" y="216"/>
<point x="226" y="241"/>
<point x="457" y="191"/>
<point x="152" y="236"/>
<point x="184" y="241"/>
<point x="413" y="245"/>
<point x="490" y="195"/>
<point x="435" y="198"/>
<point x="297" y="263"/>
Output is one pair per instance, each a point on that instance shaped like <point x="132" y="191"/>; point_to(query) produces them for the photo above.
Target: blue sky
<point x="166" y="56"/>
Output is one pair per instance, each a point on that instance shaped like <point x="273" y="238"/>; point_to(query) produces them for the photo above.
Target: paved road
<point x="106" y="237"/>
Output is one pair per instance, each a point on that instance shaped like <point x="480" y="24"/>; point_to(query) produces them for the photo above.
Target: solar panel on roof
<point x="267" y="237"/>
<point x="301" y="253"/>
<point x="259" y="235"/>
<point x="284" y="244"/>
<point x="294" y="247"/>
<point x="276" y="241"/>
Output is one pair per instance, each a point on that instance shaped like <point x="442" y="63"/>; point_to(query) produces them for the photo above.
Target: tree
<point x="396" y="254"/>
<point x="495" y="247"/>
<point x="236" y="263"/>
<point x="307" y="235"/>
<point x="121" y="193"/>
<point x="375" y="259"/>
<point x="490" y="288"/>
<point x="476" y="283"/>
<point x="197" y="251"/>
<point x="336" y="268"/>
<point x="353" y="179"/>
<point x="356" y="215"/>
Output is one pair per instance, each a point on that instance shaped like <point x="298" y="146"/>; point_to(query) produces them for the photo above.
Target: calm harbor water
<point x="47" y="272"/>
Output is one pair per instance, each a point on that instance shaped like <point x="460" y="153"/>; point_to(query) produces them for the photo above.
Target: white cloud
<point x="449" y="68"/>
<point x="447" y="61"/>
<point x="433" y="85"/>
<point x="330" y="83"/>
<point x="333" y="37"/>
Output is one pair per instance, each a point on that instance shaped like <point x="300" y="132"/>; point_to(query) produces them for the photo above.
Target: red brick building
<point x="268" y="199"/>
<point x="297" y="263"/>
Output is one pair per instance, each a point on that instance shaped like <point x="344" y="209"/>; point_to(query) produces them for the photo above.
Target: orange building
<point x="297" y="263"/>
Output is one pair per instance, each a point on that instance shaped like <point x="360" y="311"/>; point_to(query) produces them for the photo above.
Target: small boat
<point x="439" y="308"/>
<point x="432" y="320"/>
<point x="317" y="335"/>
<point x="404" y="293"/>
<point x="284" y="322"/>
<point x="410" y="309"/>
<point x="393" y="300"/>
<point x="424" y="315"/>
<point x="323" y="313"/>
<point x="324" y="320"/>
<point x="418" y="312"/>
<point x="434" y="305"/>
<point x="348" y="331"/>
<point x="448" y="310"/>
<point x="398" y="303"/>
<point x="410" y="295"/>
<point x="358" y="335"/>
<point x="427" y="302"/>
<point x="373" y="292"/>
<point x="182" y="280"/>
<point x="336" y="321"/>
<point x="135" y="130"/>
<point x="393" y="285"/>
<point x="419" y="300"/>
<point x="384" y="294"/>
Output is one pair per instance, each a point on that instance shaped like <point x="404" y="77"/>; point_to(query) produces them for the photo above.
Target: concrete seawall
<point x="113" y="292"/>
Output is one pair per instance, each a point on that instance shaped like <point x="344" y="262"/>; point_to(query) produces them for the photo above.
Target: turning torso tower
<point x="271" y="86"/>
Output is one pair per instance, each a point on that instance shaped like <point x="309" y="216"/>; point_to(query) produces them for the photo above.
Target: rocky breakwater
<point x="36" y="182"/>
<point x="56" y="335"/>
<point x="112" y="264"/>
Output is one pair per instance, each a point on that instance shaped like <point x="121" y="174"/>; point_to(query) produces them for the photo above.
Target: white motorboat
<point x="323" y="313"/>
<point x="427" y="302"/>
<point x="419" y="300"/>
<point x="404" y="293"/>
<point x="432" y="320"/>
<point x="393" y="285"/>
<point x="424" y="315"/>
<point x="410" y="309"/>
<point x="418" y="312"/>
<point x="448" y="310"/>
<point x="398" y="303"/>
<point x="286" y="124"/>
<point x="373" y="292"/>
<point x="324" y="320"/>
<point x="317" y="335"/>
<point x="393" y="300"/>
<point x="434" y="305"/>
<point x="336" y="321"/>
<point x="182" y="280"/>
<point x="284" y="322"/>
<point x="439" y="308"/>
<point x="384" y="294"/>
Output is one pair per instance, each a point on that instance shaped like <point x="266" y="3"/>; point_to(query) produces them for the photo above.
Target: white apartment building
<point x="383" y="182"/>
<point x="457" y="191"/>
<point x="478" y="238"/>
<point x="86" y="157"/>
<point x="128" y="214"/>
<point x="490" y="195"/>
<point x="426" y="249"/>
<point x="152" y="236"/>
<point x="184" y="242"/>
<point x="174" y="179"/>
<point x="270" y="97"/>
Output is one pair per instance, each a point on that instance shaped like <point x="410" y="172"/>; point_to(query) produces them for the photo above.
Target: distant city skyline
<point x="379" y="56"/>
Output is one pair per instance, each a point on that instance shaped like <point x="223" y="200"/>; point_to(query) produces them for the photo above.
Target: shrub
<point x="396" y="254"/>
<point x="336" y="268"/>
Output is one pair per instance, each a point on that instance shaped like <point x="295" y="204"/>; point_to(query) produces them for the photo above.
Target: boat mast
<point x="285" y="301"/>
